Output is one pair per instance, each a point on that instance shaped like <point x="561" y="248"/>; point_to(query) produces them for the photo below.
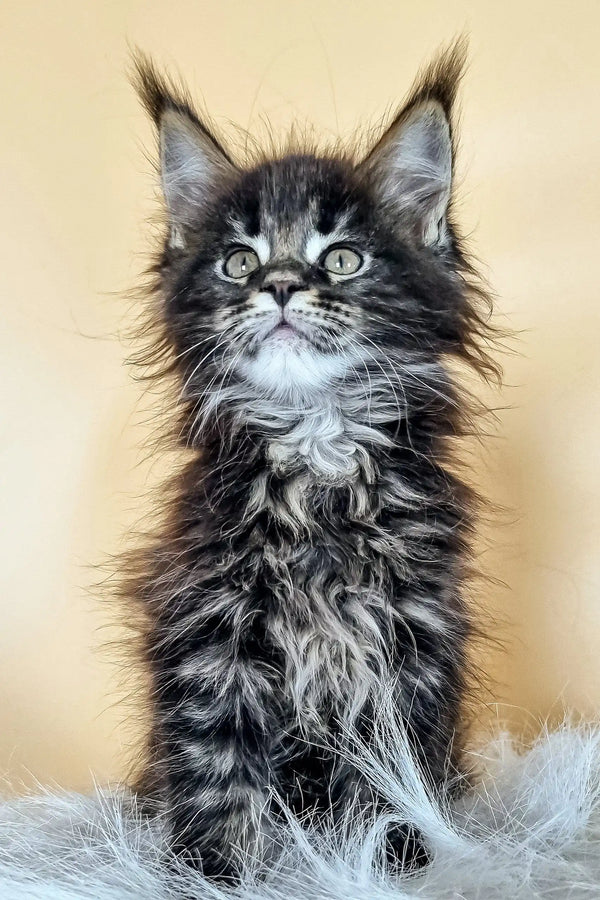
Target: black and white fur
<point x="317" y="539"/>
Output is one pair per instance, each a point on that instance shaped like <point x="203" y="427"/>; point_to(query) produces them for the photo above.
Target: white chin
<point x="287" y="369"/>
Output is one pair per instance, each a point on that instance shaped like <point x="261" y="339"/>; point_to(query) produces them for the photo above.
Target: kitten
<point x="315" y="553"/>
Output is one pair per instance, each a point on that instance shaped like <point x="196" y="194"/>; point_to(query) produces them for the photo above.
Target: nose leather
<point x="282" y="289"/>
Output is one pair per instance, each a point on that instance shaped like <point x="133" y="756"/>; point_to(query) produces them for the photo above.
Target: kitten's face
<point x="296" y="315"/>
<point x="285" y="279"/>
<point x="291" y="279"/>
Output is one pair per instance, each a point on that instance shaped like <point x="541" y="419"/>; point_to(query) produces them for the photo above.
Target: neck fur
<point x="332" y="438"/>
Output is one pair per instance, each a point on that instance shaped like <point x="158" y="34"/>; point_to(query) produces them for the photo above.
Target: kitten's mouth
<point x="284" y="329"/>
<point x="292" y="336"/>
<point x="288" y="336"/>
<point x="286" y="332"/>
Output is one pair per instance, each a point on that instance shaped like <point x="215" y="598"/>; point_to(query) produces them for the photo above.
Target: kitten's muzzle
<point x="282" y="289"/>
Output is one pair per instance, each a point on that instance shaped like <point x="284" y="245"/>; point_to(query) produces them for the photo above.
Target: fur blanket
<point x="530" y="828"/>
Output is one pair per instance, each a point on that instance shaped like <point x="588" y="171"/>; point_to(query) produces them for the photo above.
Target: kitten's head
<point x="290" y="278"/>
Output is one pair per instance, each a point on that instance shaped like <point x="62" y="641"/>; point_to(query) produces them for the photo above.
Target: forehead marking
<point x="317" y="243"/>
<point x="258" y="243"/>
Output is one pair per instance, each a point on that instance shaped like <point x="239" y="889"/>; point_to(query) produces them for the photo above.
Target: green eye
<point x="241" y="263"/>
<point x="342" y="261"/>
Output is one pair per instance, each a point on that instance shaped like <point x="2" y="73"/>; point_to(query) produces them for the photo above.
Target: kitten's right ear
<point x="192" y="160"/>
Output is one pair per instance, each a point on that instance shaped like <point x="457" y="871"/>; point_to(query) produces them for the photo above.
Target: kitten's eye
<point x="241" y="263"/>
<point x="342" y="261"/>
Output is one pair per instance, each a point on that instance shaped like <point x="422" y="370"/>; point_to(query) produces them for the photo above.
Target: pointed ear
<point x="192" y="161"/>
<point x="411" y="166"/>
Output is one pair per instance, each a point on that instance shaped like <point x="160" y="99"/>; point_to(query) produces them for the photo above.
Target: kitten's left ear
<point x="411" y="166"/>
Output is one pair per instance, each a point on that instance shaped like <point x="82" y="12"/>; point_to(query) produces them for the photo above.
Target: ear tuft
<point x="411" y="166"/>
<point x="439" y="81"/>
<point x="192" y="160"/>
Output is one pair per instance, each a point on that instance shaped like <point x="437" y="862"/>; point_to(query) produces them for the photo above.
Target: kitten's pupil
<point x="241" y="263"/>
<point x="342" y="261"/>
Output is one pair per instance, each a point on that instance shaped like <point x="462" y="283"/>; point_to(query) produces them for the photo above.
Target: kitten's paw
<point x="212" y="863"/>
<point x="405" y="850"/>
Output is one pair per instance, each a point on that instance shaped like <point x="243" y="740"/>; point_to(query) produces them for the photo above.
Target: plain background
<point x="77" y="192"/>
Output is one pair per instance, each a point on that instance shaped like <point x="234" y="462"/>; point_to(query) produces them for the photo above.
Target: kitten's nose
<point x="282" y="289"/>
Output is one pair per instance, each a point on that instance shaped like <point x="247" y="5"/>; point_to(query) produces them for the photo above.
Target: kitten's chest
<point x="331" y="620"/>
<point x="326" y="585"/>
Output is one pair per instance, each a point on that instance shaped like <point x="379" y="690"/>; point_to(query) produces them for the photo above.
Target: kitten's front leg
<point x="215" y="738"/>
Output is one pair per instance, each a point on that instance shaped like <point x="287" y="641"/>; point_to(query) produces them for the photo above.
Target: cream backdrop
<point x="77" y="190"/>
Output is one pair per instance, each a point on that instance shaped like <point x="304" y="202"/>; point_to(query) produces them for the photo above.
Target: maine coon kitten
<point x="315" y="552"/>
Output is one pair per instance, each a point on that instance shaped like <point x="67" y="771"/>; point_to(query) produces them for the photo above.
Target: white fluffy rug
<point x="530" y="829"/>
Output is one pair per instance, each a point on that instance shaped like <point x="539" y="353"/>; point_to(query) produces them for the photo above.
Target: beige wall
<point x="76" y="192"/>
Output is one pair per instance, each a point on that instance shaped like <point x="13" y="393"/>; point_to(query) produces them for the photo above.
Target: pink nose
<point x="282" y="290"/>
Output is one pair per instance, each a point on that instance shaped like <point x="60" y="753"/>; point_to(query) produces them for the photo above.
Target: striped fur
<point x="317" y="540"/>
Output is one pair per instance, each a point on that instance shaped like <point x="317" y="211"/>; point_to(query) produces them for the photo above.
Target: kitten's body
<point x="314" y="556"/>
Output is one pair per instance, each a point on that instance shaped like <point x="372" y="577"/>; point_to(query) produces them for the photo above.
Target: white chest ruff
<point x="320" y="442"/>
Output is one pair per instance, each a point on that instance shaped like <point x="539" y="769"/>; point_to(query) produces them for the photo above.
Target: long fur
<point x="317" y="544"/>
<point x="528" y="829"/>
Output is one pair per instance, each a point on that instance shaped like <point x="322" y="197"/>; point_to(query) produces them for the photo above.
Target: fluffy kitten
<point x="317" y="540"/>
